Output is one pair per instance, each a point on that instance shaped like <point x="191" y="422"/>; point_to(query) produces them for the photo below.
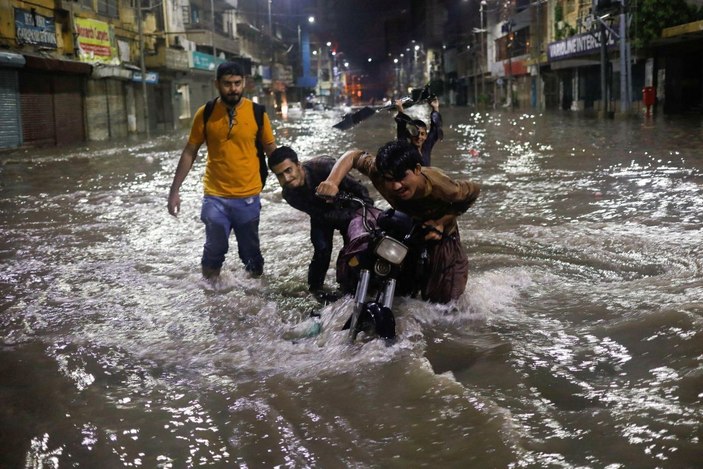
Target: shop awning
<point x="56" y="65"/>
<point x="8" y="59"/>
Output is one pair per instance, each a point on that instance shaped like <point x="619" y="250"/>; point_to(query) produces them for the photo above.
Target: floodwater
<point x="578" y="342"/>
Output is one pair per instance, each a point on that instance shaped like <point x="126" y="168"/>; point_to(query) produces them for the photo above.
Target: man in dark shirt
<point x="415" y="130"/>
<point x="299" y="182"/>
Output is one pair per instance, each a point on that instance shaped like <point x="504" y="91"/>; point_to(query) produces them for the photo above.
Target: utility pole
<point x="604" y="68"/>
<point x="212" y="29"/>
<point x="300" y="53"/>
<point x="271" y="38"/>
<point x="145" y="101"/>
<point x="510" y="63"/>
<point x="625" y="70"/>
<point x="483" y="53"/>
<point x="475" y="60"/>
<point x="538" y="90"/>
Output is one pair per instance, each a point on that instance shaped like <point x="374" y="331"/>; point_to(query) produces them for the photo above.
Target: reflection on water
<point x="576" y="344"/>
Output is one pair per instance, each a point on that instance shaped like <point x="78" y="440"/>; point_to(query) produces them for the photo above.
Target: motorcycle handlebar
<point x="347" y="197"/>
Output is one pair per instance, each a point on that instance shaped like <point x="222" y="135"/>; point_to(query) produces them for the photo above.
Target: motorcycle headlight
<point x="391" y="250"/>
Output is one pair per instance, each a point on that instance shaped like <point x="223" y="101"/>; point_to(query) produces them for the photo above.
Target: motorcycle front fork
<point x="362" y="289"/>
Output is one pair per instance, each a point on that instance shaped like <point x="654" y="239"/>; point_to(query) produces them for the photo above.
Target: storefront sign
<point x="34" y="29"/>
<point x="152" y="78"/>
<point x="582" y="44"/>
<point x="94" y="41"/>
<point x="202" y="61"/>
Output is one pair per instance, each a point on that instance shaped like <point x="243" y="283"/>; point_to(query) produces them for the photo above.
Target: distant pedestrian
<point x="415" y="130"/>
<point x="238" y="133"/>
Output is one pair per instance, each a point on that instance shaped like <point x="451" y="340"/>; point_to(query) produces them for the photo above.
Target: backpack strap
<point x="207" y="112"/>
<point x="259" y="111"/>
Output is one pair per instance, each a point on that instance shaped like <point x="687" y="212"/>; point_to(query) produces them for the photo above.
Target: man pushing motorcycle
<point x="429" y="197"/>
<point x="298" y="181"/>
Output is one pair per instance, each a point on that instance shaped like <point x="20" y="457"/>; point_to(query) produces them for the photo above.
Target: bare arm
<point x="269" y="148"/>
<point x="341" y="168"/>
<point x="434" y="104"/>
<point x="190" y="152"/>
<point x="438" y="226"/>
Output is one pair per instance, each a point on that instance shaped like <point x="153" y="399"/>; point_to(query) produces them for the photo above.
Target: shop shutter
<point x="10" y="129"/>
<point x="68" y="109"/>
<point x="37" y="108"/>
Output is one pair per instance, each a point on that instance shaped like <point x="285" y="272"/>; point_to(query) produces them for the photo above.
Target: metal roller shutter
<point x="10" y="129"/>
<point x="52" y="108"/>
<point x="37" y="105"/>
<point x="68" y="109"/>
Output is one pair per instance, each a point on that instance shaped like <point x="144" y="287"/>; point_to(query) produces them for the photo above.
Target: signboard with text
<point x="94" y="40"/>
<point x="202" y="61"/>
<point x="152" y="78"/>
<point x="35" y="29"/>
<point x="581" y="44"/>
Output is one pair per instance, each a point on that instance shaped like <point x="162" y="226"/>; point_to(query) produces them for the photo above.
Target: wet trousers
<point x="223" y="215"/>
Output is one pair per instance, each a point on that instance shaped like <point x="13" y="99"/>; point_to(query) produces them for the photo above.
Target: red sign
<point x="515" y="67"/>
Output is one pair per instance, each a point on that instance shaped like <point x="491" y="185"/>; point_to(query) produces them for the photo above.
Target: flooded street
<point x="578" y="341"/>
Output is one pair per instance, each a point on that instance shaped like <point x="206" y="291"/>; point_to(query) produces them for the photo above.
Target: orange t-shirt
<point x="232" y="168"/>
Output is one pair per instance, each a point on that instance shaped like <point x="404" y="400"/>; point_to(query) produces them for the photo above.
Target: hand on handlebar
<point x="327" y="190"/>
<point x="435" y="231"/>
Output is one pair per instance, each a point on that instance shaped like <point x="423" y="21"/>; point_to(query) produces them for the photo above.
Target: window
<point x="108" y="8"/>
<point x="194" y="14"/>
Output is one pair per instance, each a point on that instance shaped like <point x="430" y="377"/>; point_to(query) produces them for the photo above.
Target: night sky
<point x="360" y="31"/>
<point x="361" y="26"/>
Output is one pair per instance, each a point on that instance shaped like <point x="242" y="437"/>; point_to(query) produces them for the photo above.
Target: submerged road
<point x="578" y="342"/>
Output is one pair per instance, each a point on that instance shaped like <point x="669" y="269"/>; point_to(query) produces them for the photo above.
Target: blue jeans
<point x="221" y="216"/>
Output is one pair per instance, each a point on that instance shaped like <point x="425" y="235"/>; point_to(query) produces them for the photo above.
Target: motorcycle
<point x="388" y="257"/>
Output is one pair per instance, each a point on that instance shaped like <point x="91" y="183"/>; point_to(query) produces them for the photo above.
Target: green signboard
<point x="202" y="61"/>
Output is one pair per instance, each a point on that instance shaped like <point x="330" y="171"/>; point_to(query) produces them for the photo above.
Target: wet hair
<point x="419" y="123"/>
<point x="413" y="127"/>
<point x="396" y="157"/>
<point x="229" y="68"/>
<point x="280" y="154"/>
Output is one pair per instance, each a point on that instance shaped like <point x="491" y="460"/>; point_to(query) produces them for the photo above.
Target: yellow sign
<point x="95" y="41"/>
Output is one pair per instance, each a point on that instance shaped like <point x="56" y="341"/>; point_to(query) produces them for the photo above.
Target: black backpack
<point x="259" y="111"/>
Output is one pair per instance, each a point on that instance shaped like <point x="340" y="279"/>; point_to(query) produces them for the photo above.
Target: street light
<point x="271" y="38"/>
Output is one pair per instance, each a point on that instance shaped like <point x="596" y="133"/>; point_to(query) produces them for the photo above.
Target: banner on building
<point x="94" y="40"/>
<point x="515" y="67"/>
<point x="35" y="29"/>
<point x="124" y="51"/>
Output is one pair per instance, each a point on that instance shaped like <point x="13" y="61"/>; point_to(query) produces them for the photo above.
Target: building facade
<point x="77" y="70"/>
<point x="568" y="55"/>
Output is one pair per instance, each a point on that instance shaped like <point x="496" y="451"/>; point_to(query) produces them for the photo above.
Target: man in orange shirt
<point x="232" y="181"/>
